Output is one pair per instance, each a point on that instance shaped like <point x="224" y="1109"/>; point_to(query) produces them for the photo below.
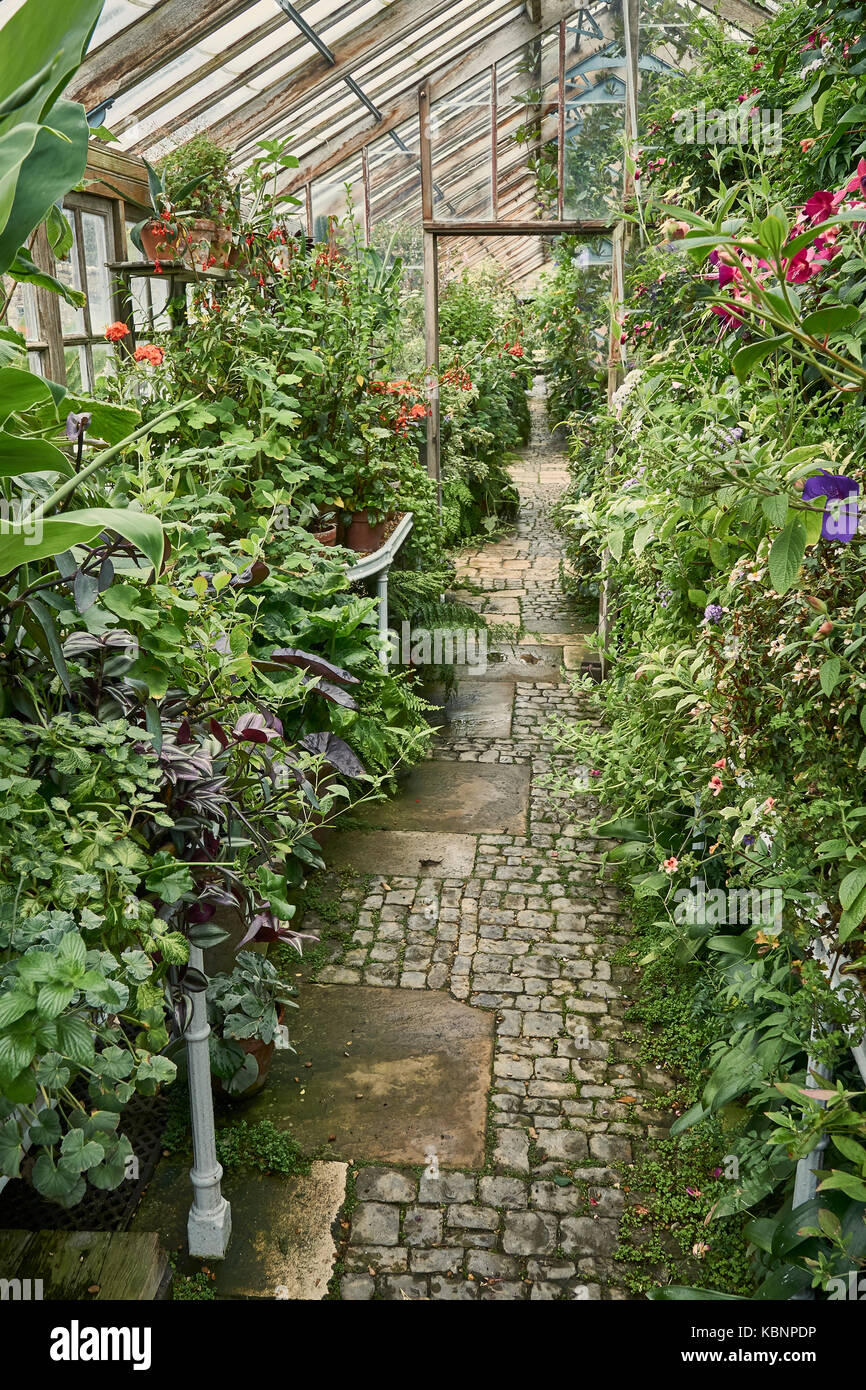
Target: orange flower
<point x="115" y="331"/>
<point x="149" y="352"/>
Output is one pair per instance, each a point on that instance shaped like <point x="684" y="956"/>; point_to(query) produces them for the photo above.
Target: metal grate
<point x="22" y="1208"/>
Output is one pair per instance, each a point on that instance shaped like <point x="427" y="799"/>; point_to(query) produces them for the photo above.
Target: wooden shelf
<point x="173" y="270"/>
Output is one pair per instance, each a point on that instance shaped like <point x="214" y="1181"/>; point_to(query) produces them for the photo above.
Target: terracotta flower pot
<point x="326" y="537"/>
<point x="159" y="243"/>
<point x="264" y="1055"/>
<point x="363" y="536"/>
<point x="206" y="239"/>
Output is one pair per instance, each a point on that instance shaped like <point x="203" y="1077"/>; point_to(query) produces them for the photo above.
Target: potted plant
<point x="195" y="181"/>
<point x="244" y="1010"/>
<point x="380" y="457"/>
<point x="158" y="236"/>
<point x="324" y="527"/>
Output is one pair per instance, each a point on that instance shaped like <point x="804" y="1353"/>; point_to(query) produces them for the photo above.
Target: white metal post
<point x="209" y="1226"/>
<point x="382" y="595"/>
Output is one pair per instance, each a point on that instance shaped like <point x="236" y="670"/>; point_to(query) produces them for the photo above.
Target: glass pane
<point x="664" y="46"/>
<point x="461" y="137"/>
<point x="71" y="319"/>
<point x="21" y="313"/>
<point x="94" y="233"/>
<point x="394" y="167"/>
<point x="594" y="124"/>
<point x="331" y="198"/>
<point x="76" y="368"/>
<point x="103" y="355"/>
<point x="527" y="130"/>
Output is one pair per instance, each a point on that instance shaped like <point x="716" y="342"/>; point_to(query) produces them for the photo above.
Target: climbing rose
<point x="115" y="331"/>
<point x="149" y="352"/>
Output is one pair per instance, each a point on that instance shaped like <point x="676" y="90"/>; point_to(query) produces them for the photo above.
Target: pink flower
<point x="671" y="865"/>
<point x="716" y="784"/>
<point x="720" y="763"/>
<point x="858" y="183"/>
<point x="819" y="206"/>
<point x="770" y="804"/>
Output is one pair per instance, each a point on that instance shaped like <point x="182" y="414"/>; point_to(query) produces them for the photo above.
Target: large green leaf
<point x="54" y="163"/>
<point x="23" y="544"/>
<point x="19" y="390"/>
<point x="41" y="46"/>
<point x="786" y="555"/>
<point x="748" y="357"/>
<point x="107" y="421"/>
<point x="19" y="456"/>
<point x="15" y="146"/>
<point x="826" y="321"/>
<point x="24" y="269"/>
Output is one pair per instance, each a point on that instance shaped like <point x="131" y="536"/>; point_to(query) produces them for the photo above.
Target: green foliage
<point x="731" y="742"/>
<point x="666" y="1230"/>
<point x="260" y="1147"/>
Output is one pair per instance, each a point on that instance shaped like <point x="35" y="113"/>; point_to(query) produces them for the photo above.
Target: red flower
<point x="149" y="352"/>
<point x="116" y="331"/>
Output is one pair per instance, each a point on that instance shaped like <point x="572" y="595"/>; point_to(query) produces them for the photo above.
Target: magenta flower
<point x="819" y="206"/>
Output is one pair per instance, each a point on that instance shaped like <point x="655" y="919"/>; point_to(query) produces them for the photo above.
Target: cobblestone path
<point x="529" y="934"/>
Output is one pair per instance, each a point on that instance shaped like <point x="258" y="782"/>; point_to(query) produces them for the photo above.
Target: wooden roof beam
<point x="140" y="49"/>
<point x="444" y="80"/>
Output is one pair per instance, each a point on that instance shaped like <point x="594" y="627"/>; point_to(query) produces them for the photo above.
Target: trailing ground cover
<point x="715" y="496"/>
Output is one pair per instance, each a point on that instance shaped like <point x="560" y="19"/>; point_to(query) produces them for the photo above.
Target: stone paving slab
<point x="420" y="853"/>
<point x="510" y="661"/>
<point x="469" y="800"/>
<point x="281" y="1245"/>
<point x="480" y="709"/>
<point x="393" y="1072"/>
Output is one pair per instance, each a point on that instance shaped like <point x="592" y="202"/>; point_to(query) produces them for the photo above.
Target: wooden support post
<point x="560" y="124"/>
<point x="431" y="292"/>
<point x="431" y="353"/>
<point x="494" y="154"/>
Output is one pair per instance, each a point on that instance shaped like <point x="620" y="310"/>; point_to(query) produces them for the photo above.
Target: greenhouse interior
<point x="432" y="622"/>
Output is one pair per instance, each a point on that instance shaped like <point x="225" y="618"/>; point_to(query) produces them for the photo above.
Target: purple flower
<point x="77" y="424"/>
<point x="713" y="613"/>
<point x="839" y="523"/>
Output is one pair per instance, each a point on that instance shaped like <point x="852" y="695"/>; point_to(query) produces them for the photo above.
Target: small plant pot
<point x="364" y="536"/>
<point x="264" y="1055"/>
<point x="205" y="240"/>
<point x="224" y="248"/>
<point x="326" y="537"/>
<point x="160" y="244"/>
